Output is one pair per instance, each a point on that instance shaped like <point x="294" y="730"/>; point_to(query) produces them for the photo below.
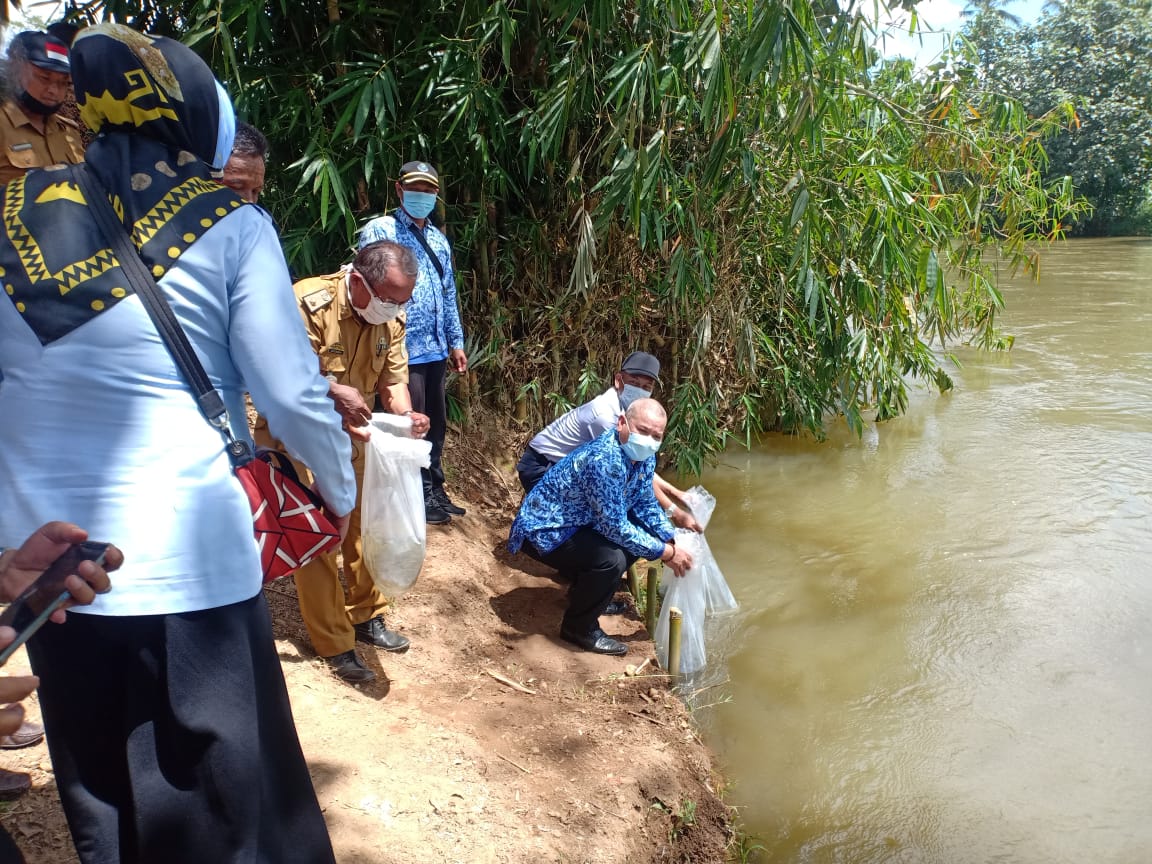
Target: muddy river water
<point x="944" y="651"/>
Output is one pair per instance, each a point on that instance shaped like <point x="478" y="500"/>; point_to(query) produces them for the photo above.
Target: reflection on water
<point x="945" y="647"/>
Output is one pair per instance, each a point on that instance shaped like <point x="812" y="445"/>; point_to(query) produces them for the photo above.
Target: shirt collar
<point x="16" y="114"/>
<point x="401" y="215"/>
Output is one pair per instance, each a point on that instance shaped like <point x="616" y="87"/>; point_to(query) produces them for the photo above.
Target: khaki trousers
<point x="328" y="610"/>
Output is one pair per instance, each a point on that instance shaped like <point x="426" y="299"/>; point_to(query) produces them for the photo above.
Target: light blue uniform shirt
<point x="595" y="486"/>
<point x="433" y="317"/>
<point x="100" y="429"/>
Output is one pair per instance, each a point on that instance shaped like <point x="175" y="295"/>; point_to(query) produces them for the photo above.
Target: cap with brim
<point x="415" y="172"/>
<point x="44" y="51"/>
<point x="639" y="363"/>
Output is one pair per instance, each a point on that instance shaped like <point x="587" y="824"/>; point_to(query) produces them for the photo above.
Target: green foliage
<point x="1094" y="54"/>
<point x="741" y="189"/>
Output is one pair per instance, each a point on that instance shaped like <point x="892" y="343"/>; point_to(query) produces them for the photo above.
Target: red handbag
<point x="288" y="519"/>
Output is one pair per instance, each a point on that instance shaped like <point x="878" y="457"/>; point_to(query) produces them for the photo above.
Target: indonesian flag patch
<point x="57" y="52"/>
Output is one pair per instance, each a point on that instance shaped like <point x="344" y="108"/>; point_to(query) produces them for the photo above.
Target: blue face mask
<point x="419" y="204"/>
<point x="631" y="393"/>
<point x="639" y="447"/>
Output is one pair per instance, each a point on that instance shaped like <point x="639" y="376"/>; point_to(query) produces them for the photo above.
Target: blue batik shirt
<point x="595" y="486"/>
<point x="433" y="316"/>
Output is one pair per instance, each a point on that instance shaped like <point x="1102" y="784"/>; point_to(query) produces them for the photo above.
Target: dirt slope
<point x="438" y="761"/>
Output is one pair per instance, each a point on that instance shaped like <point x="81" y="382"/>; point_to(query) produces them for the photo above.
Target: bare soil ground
<point x="442" y="761"/>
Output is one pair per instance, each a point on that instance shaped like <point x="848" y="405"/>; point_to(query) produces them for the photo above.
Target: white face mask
<point x="377" y="311"/>
<point x="631" y="393"/>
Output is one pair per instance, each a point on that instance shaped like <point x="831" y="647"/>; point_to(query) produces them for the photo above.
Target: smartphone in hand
<point x="28" y="612"/>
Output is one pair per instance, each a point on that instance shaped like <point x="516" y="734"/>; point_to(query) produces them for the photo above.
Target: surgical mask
<point x="378" y="311"/>
<point x="631" y="393"/>
<point x="639" y="447"/>
<point x="419" y="204"/>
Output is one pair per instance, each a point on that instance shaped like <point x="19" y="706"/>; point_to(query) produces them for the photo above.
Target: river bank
<point x="491" y="740"/>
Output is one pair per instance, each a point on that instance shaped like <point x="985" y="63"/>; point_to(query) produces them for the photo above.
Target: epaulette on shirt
<point x="67" y="121"/>
<point x="318" y="299"/>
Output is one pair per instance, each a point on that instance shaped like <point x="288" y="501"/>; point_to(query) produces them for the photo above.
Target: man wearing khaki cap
<point x="435" y="336"/>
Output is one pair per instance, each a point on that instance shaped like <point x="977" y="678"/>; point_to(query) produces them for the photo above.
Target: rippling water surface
<point x="945" y="647"/>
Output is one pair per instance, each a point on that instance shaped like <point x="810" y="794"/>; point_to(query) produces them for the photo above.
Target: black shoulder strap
<point x="208" y="398"/>
<point x="419" y="235"/>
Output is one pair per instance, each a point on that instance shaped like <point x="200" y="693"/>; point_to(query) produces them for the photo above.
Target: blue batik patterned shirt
<point x="433" y="317"/>
<point x="595" y="486"/>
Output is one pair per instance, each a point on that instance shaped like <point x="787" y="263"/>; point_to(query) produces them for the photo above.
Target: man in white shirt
<point x="638" y="375"/>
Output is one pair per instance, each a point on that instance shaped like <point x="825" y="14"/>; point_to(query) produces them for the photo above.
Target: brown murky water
<point x="945" y="647"/>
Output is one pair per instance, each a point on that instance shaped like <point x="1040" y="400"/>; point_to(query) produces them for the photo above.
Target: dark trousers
<point x="426" y="386"/>
<point x="172" y="740"/>
<point x="593" y="563"/>
<point x="531" y="468"/>
<point x="9" y="852"/>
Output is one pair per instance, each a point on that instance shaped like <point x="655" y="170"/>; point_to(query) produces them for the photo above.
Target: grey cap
<point x="639" y="363"/>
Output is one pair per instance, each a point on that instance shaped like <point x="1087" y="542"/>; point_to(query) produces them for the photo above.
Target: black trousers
<point x="593" y="563"/>
<point x="172" y="740"/>
<point x="531" y="468"/>
<point x="426" y="386"/>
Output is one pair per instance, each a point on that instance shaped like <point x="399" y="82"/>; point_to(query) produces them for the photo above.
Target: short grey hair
<point x="375" y="260"/>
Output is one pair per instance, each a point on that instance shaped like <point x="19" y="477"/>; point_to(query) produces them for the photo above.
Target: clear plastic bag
<point x="392" y="526"/>
<point x="686" y="593"/>
<point x="718" y="596"/>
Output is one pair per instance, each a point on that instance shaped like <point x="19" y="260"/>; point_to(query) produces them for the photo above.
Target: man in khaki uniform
<point x="355" y="322"/>
<point x="33" y="134"/>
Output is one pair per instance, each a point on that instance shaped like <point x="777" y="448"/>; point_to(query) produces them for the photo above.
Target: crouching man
<point x="593" y="514"/>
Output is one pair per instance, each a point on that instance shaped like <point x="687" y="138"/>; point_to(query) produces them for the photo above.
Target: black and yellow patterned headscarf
<point x="158" y="112"/>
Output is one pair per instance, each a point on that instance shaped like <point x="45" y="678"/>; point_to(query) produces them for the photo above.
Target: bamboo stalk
<point x="651" y="600"/>
<point x="675" y="619"/>
<point x="634" y="581"/>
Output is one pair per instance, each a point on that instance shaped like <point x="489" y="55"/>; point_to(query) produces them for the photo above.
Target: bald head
<point x="644" y="416"/>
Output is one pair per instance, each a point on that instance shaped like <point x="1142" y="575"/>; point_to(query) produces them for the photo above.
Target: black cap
<point x="639" y="363"/>
<point x="413" y="172"/>
<point x="43" y="50"/>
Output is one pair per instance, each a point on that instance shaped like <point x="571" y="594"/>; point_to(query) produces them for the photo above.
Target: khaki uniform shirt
<point x="355" y="353"/>
<point x="23" y="147"/>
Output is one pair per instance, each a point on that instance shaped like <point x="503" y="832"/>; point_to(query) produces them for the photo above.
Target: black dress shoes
<point x="596" y="641"/>
<point x="434" y="514"/>
<point x="440" y="499"/>
<point x="375" y="633"/>
<point x="347" y="667"/>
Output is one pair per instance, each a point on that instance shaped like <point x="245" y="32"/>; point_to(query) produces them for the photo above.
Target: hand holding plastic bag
<point x="392" y="526"/>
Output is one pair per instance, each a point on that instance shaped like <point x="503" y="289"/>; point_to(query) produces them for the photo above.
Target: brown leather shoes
<point x="13" y="785"/>
<point x="28" y="734"/>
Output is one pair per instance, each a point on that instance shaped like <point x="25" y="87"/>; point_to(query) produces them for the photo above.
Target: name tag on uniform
<point x="335" y="348"/>
<point x="20" y="148"/>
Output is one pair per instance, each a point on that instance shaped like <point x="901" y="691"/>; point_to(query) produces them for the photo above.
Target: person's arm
<point x="453" y="329"/>
<point x="270" y="349"/>
<point x="392" y="386"/>
<point x="603" y="479"/>
<point x="672" y="502"/>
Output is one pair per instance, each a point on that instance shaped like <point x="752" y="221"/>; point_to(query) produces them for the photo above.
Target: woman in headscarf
<point x="167" y="716"/>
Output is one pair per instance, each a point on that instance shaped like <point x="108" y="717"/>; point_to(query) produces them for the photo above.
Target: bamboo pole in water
<point x="652" y="599"/>
<point x="675" y="618"/>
